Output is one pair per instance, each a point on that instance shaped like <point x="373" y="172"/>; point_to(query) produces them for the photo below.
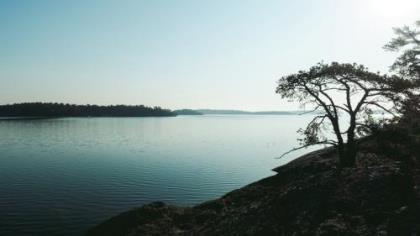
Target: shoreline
<point x="307" y="196"/>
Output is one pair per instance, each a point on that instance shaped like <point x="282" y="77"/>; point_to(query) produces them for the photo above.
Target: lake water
<point x="62" y="176"/>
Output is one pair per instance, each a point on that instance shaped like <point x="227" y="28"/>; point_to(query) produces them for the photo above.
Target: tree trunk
<point x="350" y="154"/>
<point x="350" y="147"/>
<point x="341" y="154"/>
<point x="347" y="155"/>
<point x="344" y="159"/>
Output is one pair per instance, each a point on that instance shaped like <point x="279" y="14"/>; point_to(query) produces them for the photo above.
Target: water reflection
<point x="61" y="176"/>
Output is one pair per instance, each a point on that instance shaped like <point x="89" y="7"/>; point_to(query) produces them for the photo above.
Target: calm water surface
<point x="62" y="176"/>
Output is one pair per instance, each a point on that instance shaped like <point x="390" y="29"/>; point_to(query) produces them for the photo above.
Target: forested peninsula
<point x="39" y="109"/>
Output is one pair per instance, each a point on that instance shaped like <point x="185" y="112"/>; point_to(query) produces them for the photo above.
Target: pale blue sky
<point x="184" y="54"/>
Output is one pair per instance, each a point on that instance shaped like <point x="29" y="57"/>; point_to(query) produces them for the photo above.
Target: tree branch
<point x="380" y="106"/>
<point x="327" y="142"/>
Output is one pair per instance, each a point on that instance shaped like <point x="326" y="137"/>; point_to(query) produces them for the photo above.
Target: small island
<point x="39" y="109"/>
<point x="240" y="112"/>
<point x="188" y="112"/>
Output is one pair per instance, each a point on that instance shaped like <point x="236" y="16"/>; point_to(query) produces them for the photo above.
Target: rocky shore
<point x="308" y="196"/>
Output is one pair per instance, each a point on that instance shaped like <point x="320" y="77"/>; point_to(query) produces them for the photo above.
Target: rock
<point x="332" y="227"/>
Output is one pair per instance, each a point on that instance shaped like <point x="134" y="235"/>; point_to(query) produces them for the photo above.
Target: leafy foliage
<point x="407" y="41"/>
<point x="336" y="90"/>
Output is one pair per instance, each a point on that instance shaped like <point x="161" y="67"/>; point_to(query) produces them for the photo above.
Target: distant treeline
<point x="239" y="112"/>
<point x="39" y="109"/>
<point x="188" y="112"/>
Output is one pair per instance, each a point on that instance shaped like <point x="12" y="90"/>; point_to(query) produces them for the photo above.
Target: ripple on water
<point x="61" y="176"/>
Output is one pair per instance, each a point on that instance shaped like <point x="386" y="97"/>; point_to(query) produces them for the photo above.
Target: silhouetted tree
<point x="407" y="65"/>
<point x="336" y="90"/>
<point x="407" y="41"/>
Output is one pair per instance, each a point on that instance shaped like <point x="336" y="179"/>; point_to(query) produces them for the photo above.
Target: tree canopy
<point x="335" y="91"/>
<point x="407" y="41"/>
<point x="407" y="65"/>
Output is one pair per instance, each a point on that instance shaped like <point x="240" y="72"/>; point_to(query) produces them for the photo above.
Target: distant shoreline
<point x="55" y="110"/>
<point x="240" y="112"/>
<point x="40" y="110"/>
<point x="7" y="118"/>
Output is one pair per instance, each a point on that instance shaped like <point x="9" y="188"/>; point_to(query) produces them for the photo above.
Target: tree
<point x="338" y="94"/>
<point x="407" y="40"/>
<point x="407" y="65"/>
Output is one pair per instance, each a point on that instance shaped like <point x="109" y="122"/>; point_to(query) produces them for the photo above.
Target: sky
<point x="220" y="54"/>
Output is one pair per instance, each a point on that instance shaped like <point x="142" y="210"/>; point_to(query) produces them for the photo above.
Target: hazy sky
<point x="184" y="54"/>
